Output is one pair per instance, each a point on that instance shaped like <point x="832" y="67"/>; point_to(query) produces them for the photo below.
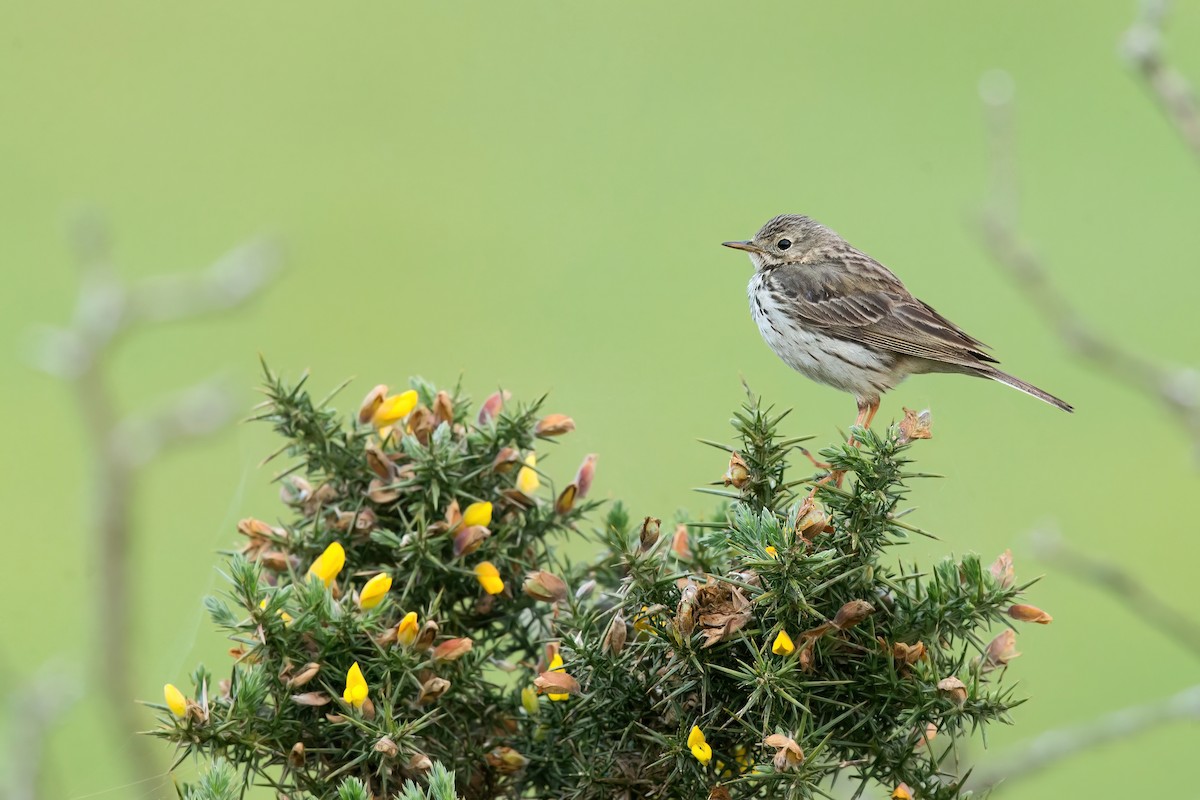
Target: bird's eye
<point x="784" y="244"/>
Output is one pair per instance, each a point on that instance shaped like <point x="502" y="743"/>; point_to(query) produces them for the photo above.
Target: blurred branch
<point x="1049" y="748"/>
<point x="33" y="710"/>
<point x="1177" y="389"/>
<point x="1142" y="47"/>
<point x="107" y="308"/>
<point x="1132" y="593"/>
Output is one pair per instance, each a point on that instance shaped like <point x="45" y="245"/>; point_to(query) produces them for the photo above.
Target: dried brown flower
<point x="788" y="755"/>
<point x="554" y="425"/>
<point x="1026" y="613"/>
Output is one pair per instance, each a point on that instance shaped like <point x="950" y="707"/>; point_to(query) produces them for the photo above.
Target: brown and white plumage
<point x="840" y="317"/>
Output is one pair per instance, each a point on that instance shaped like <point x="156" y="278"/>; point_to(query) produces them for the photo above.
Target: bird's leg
<point x="866" y="413"/>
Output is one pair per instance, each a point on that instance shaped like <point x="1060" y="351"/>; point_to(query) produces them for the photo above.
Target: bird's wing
<point x="867" y="304"/>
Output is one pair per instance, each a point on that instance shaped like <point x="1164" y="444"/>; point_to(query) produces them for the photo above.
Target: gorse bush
<point x="413" y="629"/>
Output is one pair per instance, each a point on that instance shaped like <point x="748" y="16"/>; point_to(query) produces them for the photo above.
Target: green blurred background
<point x="532" y="195"/>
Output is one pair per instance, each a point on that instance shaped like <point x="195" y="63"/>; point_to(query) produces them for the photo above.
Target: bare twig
<point x="32" y="712"/>
<point x="1177" y="389"/>
<point x="1052" y="747"/>
<point x="1142" y="47"/>
<point x="1132" y="593"/>
<point x="105" y="310"/>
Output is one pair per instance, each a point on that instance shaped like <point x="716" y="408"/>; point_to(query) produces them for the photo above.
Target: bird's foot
<point x="818" y="464"/>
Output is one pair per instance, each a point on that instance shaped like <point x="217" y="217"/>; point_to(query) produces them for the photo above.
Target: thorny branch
<point x="1054" y="746"/>
<point x="1177" y="389"/>
<point x="106" y="309"/>
<point x="1142" y="47"/>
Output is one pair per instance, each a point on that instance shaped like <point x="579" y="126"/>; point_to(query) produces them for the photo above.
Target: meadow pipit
<point x="843" y="319"/>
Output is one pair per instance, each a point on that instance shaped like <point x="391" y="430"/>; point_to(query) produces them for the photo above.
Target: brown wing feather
<point x="858" y="299"/>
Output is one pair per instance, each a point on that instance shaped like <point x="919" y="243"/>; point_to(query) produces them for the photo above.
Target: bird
<point x="839" y="317"/>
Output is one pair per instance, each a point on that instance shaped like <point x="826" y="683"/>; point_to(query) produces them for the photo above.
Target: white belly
<point x="825" y="359"/>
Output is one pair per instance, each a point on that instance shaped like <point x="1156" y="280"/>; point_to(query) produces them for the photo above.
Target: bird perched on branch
<point x="843" y="319"/>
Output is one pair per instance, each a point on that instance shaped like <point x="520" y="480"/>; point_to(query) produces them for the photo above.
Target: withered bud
<point x="852" y="613"/>
<point x="1000" y="650"/>
<point x="554" y="425"/>
<point x="585" y="589"/>
<point x="379" y="463"/>
<point x="371" y="403"/>
<point x="296" y="756"/>
<point x="382" y="492"/>
<point x="585" y="475"/>
<point x="294" y="490"/>
<point x="274" y="560"/>
<point x="469" y="539"/>
<point x="615" y="635"/>
<point x="429" y="632"/>
<point x="680" y="544"/>
<point x="955" y="688"/>
<point x="420" y="763"/>
<point x="453" y="515"/>
<point x="452" y="649"/>
<point x="422" y="423"/>
<point x="386" y="746"/>
<point x="685" y="612"/>
<point x="491" y="407"/>
<point x="1002" y="570"/>
<point x="566" y="499"/>
<point x="556" y="683"/>
<point x="432" y="689"/>
<point x="443" y="408"/>
<point x="788" y="756"/>
<point x="311" y="699"/>
<point x="1025" y="613"/>
<point x="505" y="460"/>
<point x="368" y="709"/>
<point x="813" y="520"/>
<point x="306" y="674"/>
<point x="908" y="653"/>
<point x="506" y="760"/>
<point x="738" y="474"/>
<point x="928" y="735"/>
<point x="543" y="586"/>
<point x="719" y="792"/>
<point x="916" y="425"/>
<point x="648" y="537"/>
<point x="255" y="528"/>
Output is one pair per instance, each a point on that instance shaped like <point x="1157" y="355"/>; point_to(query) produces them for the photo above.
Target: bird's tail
<point x="1027" y="388"/>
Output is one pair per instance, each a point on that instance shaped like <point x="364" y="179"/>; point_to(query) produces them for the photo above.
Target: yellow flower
<point x="356" y="687"/>
<point x="477" y="514"/>
<point x="372" y="594"/>
<point x="394" y="408"/>
<point x="175" y="700"/>
<point x="329" y="564"/>
<point x="782" y="646"/>
<point x="700" y="748"/>
<point x="283" y="615"/>
<point x="407" y="630"/>
<point x="527" y="478"/>
<point x="556" y="665"/>
<point x="529" y="701"/>
<point x="902" y="792"/>
<point x="772" y="552"/>
<point x="489" y="577"/>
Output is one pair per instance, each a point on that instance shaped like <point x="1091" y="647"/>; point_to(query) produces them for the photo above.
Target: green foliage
<point x="773" y="635"/>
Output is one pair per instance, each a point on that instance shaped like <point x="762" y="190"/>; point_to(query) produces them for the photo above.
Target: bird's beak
<point x="749" y="247"/>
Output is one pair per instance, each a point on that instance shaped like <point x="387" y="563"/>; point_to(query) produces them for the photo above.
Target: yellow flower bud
<point x="407" y="630"/>
<point x="175" y="700"/>
<point x="699" y="747"/>
<point x="373" y="593"/>
<point x="527" y="478"/>
<point x="772" y="552"/>
<point x="489" y="577"/>
<point x="329" y="564"/>
<point x="477" y="514"/>
<point x="783" y="646"/>
<point x="356" y="687"/>
<point x="529" y="701"/>
<point x="393" y="409"/>
<point x="556" y="665"/>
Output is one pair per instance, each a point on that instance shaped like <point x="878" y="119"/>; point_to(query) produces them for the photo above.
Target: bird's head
<point x="785" y="239"/>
